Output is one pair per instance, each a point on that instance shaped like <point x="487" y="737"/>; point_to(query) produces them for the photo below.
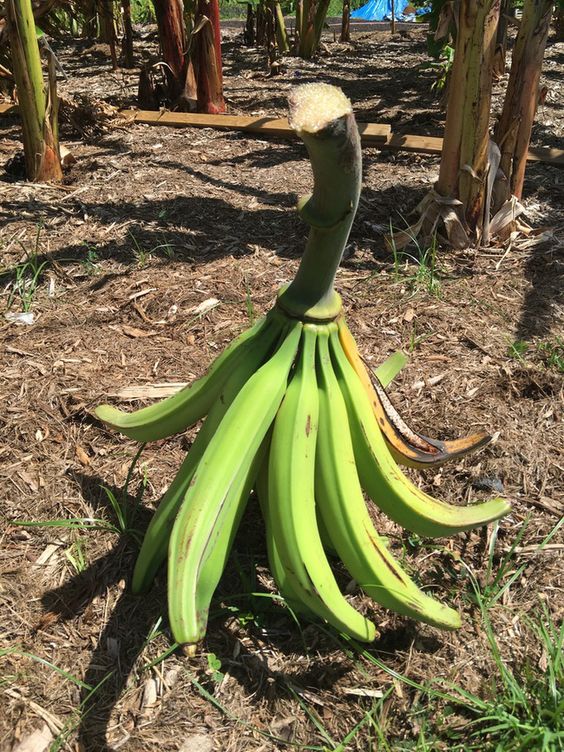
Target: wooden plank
<point x="268" y="126"/>
<point x="434" y="145"/>
<point x="151" y="118"/>
<point x="372" y="133"/>
<point x="419" y="144"/>
<point x="375" y="134"/>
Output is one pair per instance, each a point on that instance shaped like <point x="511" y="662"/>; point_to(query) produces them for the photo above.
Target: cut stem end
<point x="315" y="106"/>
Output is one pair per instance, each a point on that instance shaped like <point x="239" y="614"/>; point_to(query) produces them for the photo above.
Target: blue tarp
<point x="381" y="10"/>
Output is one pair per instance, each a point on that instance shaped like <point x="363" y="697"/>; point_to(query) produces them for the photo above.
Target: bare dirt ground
<point x="150" y="224"/>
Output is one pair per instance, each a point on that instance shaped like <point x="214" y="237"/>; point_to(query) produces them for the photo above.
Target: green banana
<point x="342" y="507"/>
<point x="154" y="548"/>
<point x="183" y="409"/>
<point x="292" y="408"/>
<point x="276" y="567"/>
<point x="202" y="532"/>
<point x="383" y="480"/>
<point x="291" y="502"/>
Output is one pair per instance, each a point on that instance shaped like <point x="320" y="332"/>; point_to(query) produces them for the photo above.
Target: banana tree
<point x="310" y="17"/>
<point x="206" y="41"/>
<point x="37" y="101"/>
<point x="481" y="179"/>
<point x="192" y="62"/>
<point x="465" y="156"/>
<point x="173" y="41"/>
<point x="513" y="131"/>
<point x="460" y="200"/>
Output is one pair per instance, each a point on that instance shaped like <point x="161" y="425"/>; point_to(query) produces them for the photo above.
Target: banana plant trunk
<point x="299" y="25"/>
<point x="465" y="155"/>
<point x="271" y="39"/>
<point x="107" y="30"/>
<point x="38" y="110"/>
<point x="89" y="16"/>
<point x="261" y="23"/>
<point x="501" y="38"/>
<point x="105" y="21"/>
<point x="559" y="25"/>
<point x="172" y="38"/>
<point x="280" y="27"/>
<point x="310" y="17"/>
<point x="127" y="43"/>
<point x="346" y="22"/>
<point x="249" y="32"/>
<point x="513" y="132"/>
<point x="207" y="55"/>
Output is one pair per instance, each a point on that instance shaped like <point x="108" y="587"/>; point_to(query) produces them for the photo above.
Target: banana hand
<point x="341" y="504"/>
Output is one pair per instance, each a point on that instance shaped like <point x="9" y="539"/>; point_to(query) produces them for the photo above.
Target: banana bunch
<point x="291" y="410"/>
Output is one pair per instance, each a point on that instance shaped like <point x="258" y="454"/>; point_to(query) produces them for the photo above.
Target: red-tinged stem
<point x="209" y="75"/>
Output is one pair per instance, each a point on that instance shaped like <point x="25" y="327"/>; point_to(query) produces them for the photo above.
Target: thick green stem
<point x="40" y="144"/>
<point x="322" y="116"/>
<point x="281" y="34"/>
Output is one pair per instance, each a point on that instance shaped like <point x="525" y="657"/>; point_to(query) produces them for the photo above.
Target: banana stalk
<point x="293" y="411"/>
<point x="36" y="101"/>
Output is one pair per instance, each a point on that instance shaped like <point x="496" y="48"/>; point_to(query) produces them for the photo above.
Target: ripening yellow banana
<point x="408" y="447"/>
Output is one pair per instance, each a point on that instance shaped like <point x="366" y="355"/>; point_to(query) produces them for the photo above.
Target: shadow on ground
<point x="124" y="636"/>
